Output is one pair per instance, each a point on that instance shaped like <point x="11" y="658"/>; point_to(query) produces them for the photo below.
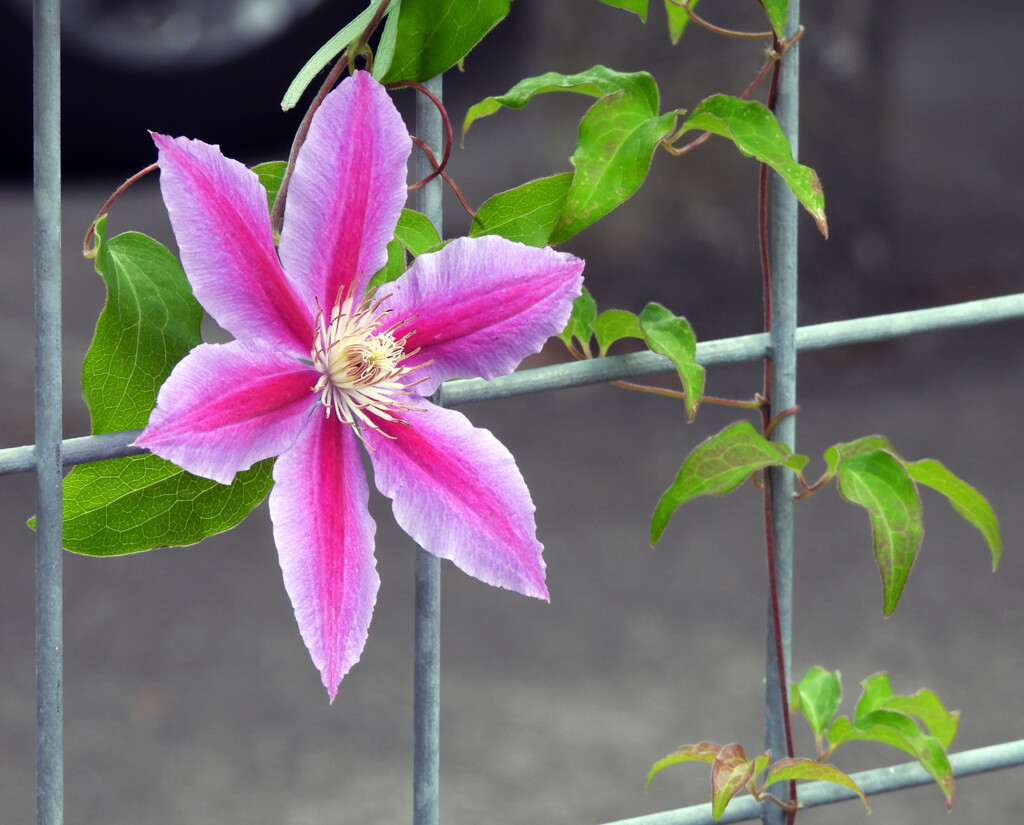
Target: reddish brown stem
<point x="86" y="250"/>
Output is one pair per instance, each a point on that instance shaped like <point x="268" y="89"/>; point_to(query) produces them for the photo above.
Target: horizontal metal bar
<point x="880" y="780"/>
<point x="617" y="367"/>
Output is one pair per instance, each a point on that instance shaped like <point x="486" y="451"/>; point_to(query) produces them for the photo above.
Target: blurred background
<point x="189" y="694"/>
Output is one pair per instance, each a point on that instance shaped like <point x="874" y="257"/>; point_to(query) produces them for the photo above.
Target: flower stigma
<point x="361" y="365"/>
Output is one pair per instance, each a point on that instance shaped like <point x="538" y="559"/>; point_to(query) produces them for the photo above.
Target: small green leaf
<point x="702" y="752"/>
<point x="614" y="147"/>
<point x="388" y="40"/>
<point x="967" y="501"/>
<point x="672" y="336"/>
<point x="875" y="692"/>
<point x="638" y="7"/>
<point x="893" y="728"/>
<point x="584" y="311"/>
<point x="326" y="54"/>
<point x="434" y="35"/>
<point x="817" y="697"/>
<point x="526" y="214"/>
<point x="756" y="133"/>
<point x="925" y="705"/>
<point x="677" y="19"/>
<point x="613" y="325"/>
<point x="730" y="771"/>
<point x="595" y="82"/>
<point x="271" y="174"/>
<point x="790" y="768"/>
<point x="719" y="465"/>
<point x="850" y="448"/>
<point x="878" y="482"/>
<point x="777" y="11"/>
<point x="126" y="505"/>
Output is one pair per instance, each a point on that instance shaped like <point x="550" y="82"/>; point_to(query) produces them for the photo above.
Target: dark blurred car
<point x="213" y="69"/>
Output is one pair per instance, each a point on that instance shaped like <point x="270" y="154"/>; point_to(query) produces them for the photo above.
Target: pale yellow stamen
<point x="361" y="365"/>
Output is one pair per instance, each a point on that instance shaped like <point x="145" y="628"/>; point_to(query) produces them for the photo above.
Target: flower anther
<point x="361" y="365"/>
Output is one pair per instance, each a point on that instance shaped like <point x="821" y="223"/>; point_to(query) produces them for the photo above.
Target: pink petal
<point x="347" y="191"/>
<point x="226" y="406"/>
<point x="218" y="210"/>
<point x="481" y="305"/>
<point x="324" y="536"/>
<point x="457" y="491"/>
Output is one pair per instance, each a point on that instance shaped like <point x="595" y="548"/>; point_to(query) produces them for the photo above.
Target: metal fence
<point x="51" y="453"/>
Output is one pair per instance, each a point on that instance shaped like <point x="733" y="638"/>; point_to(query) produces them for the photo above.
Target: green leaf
<point x="817" y="697"/>
<point x="967" y="501"/>
<point x="730" y="771"/>
<point x="890" y="727"/>
<point x="526" y="214"/>
<point x="672" y="336"/>
<point x="598" y="81"/>
<point x="126" y="505"/>
<point x="790" y="768"/>
<point x="271" y="174"/>
<point x="584" y="311"/>
<point x="677" y="19"/>
<point x="718" y="466"/>
<point x="434" y="35"/>
<point x="702" y="752"/>
<point x="326" y="55"/>
<point x="638" y="7"/>
<point x="777" y="10"/>
<point x="756" y="133"/>
<point x="388" y="40"/>
<point x="851" y="448"/>
<point x="416" y="232"/>
<point x="878" y="482"/>
<point x="926" y="706"/>
<point x="875" y="692"/>
<point x="150" y="322"/>
<point x="614" y="147"/>
<point x="613" y="325"/>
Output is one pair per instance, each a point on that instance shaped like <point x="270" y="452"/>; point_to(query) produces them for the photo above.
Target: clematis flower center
<point x="361" y="364"/>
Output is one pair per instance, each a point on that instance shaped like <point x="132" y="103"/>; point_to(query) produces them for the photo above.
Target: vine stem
<point x="88" y="251"/>
<point x="685" y="5"/>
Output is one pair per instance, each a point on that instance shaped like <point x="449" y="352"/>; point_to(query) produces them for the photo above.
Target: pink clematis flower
<point x="318" y="366"/>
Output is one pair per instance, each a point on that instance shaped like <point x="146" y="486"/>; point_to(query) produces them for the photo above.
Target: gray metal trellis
<point x="50" y="453"/>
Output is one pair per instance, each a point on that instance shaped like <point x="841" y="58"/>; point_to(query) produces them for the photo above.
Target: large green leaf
<point x="672" y="336"/>
<point x="701" y="752"/>
<point x="878" y="482"/>
<point x="150" y="321"/>
<point x="616" y="141"/>
<point x="434" y="35"/>
<point x="718" y="466"/>
<point x="613" y="325"/>
<point x="526" y="214"/>
<point x="125" y="505"/>
<point x="756" y="133"/>
<point x="967" y="501"/>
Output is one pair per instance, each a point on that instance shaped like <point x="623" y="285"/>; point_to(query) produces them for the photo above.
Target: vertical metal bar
<point x="427" y="668"/>
<point x="49" y="614"/>
<point x="783" y="239"/>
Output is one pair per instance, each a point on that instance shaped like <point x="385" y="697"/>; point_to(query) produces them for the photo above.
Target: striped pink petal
<point x="219" y="214"/>
<point x="481" y="305"/>
<point x="324" y="537"/>
<point x="457" y="491"/>
<point x="347" y="191"/>
<point x="226" y="406"/>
